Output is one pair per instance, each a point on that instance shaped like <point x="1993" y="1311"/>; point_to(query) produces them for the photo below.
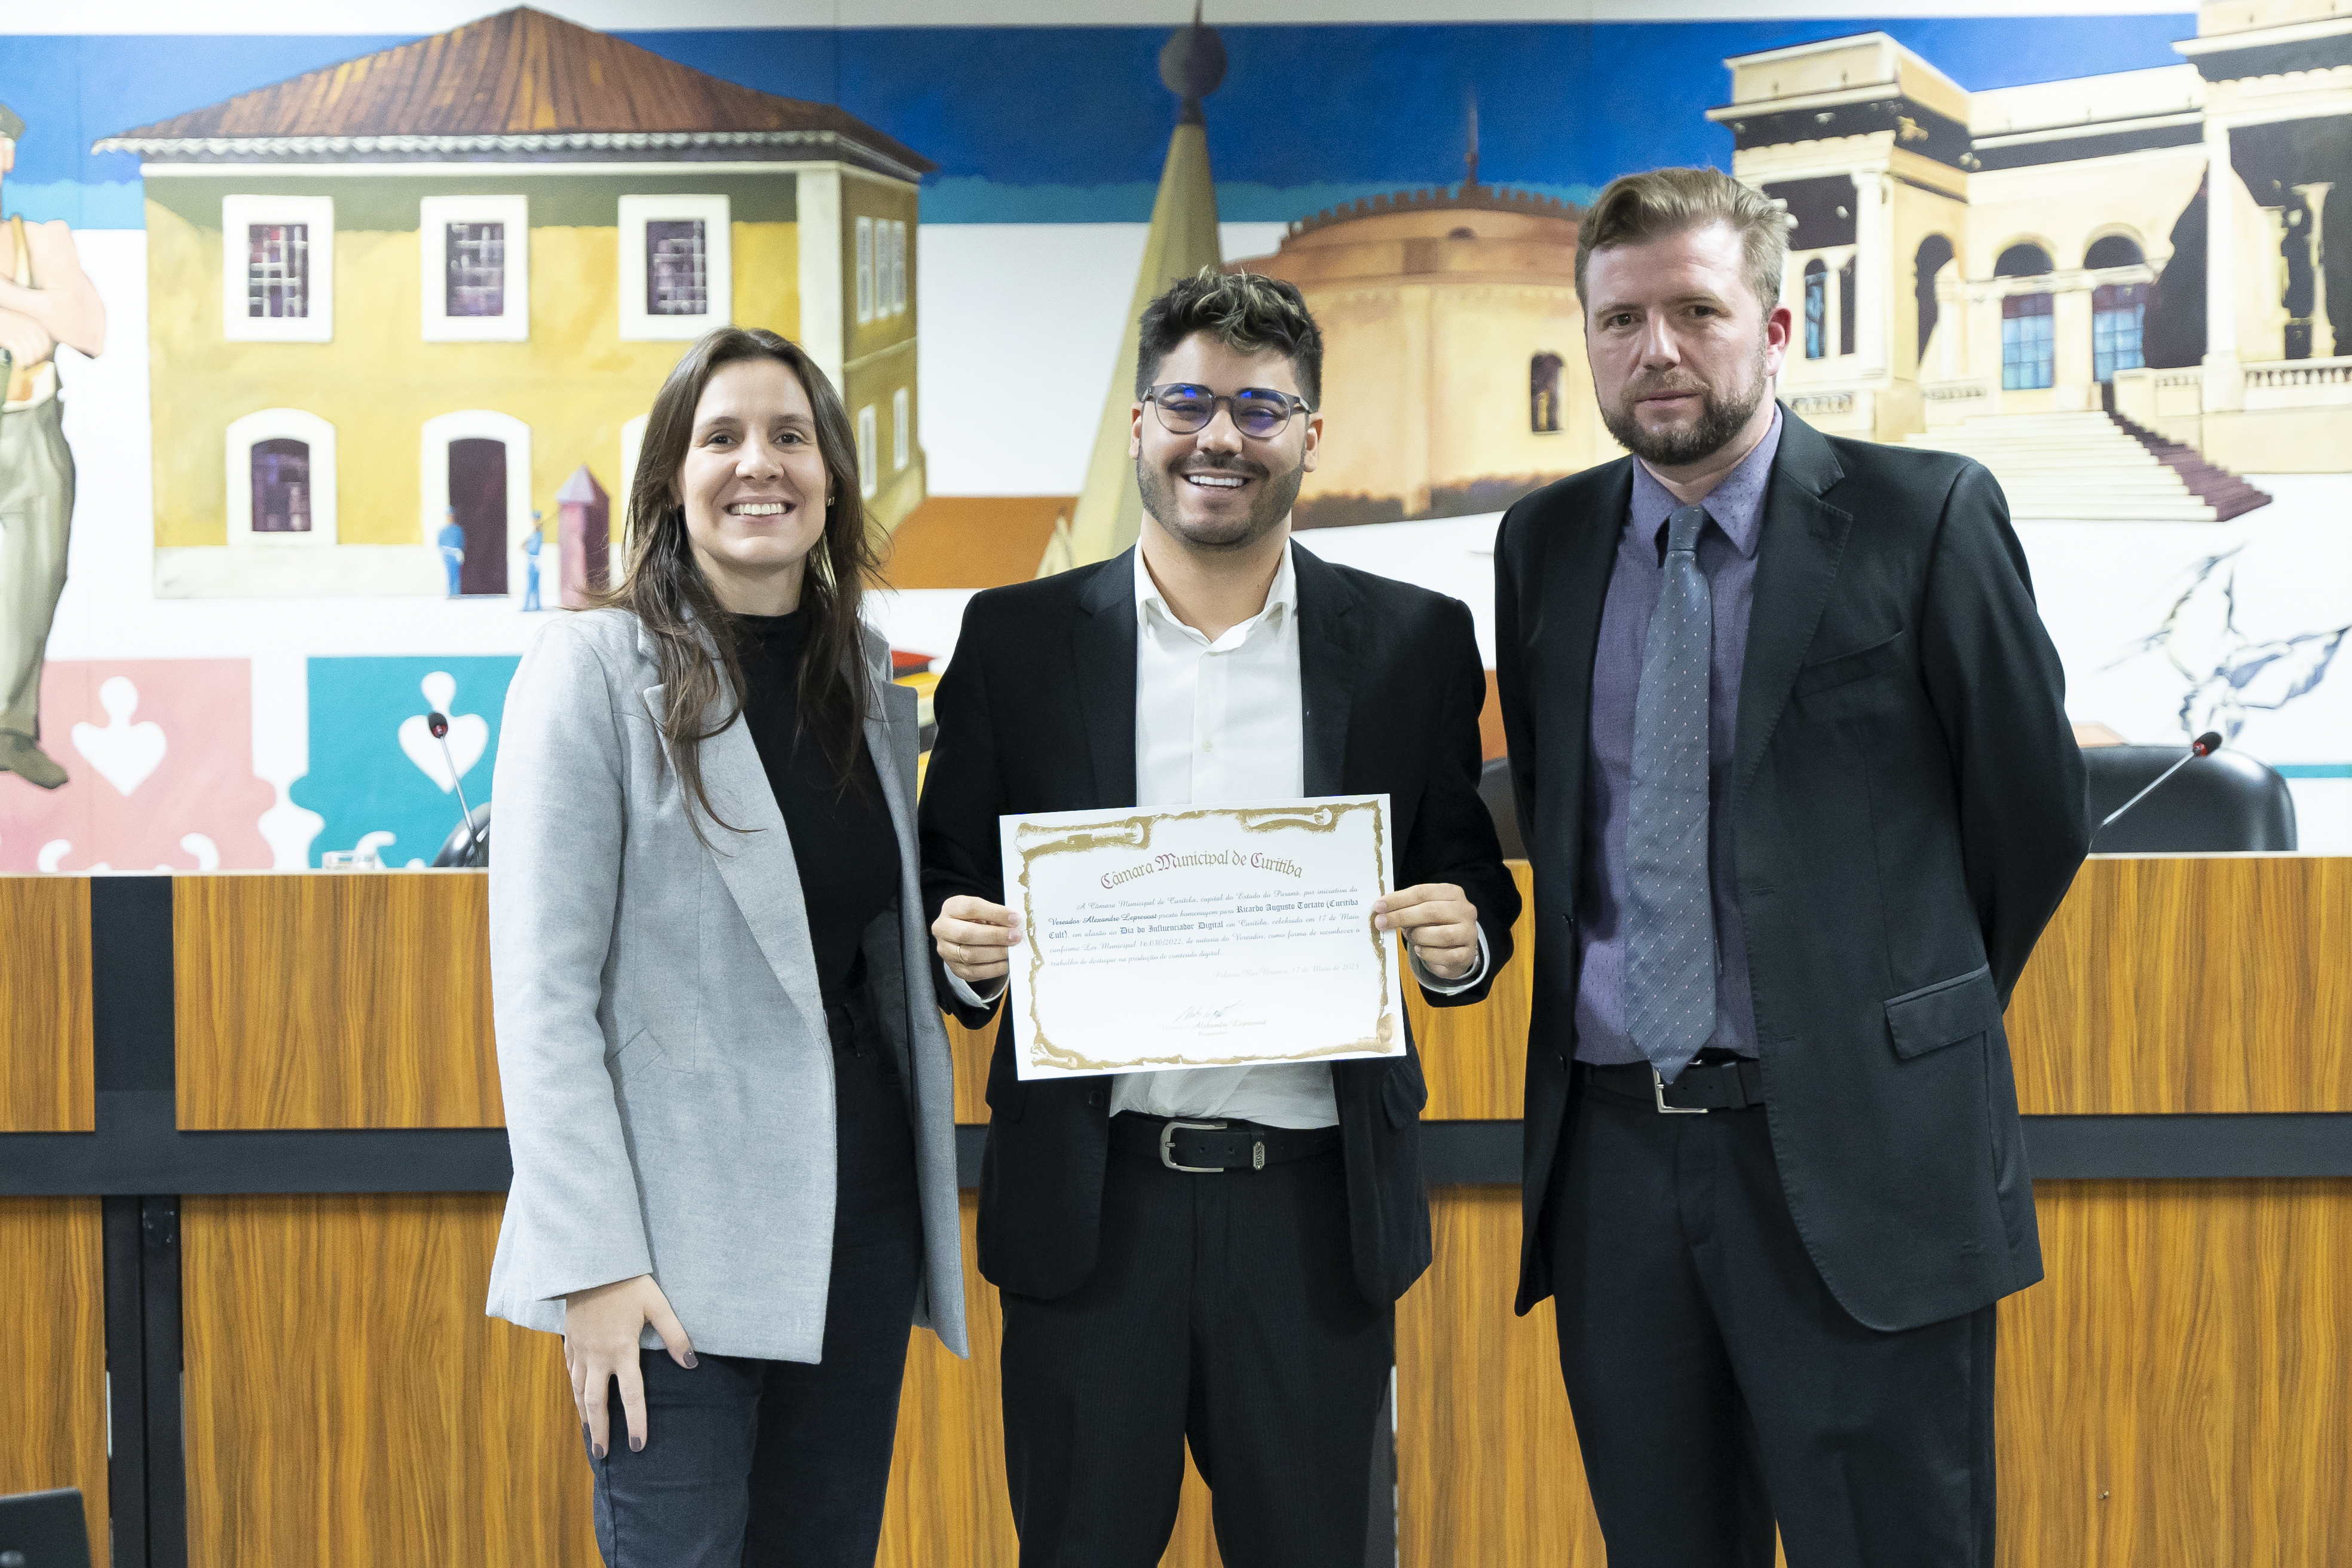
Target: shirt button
<point x="1208" y="745"/>
<point x="1094" y="1098"/>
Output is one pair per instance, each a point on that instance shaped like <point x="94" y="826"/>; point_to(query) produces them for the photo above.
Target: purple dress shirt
<point x="1726" y="556"/>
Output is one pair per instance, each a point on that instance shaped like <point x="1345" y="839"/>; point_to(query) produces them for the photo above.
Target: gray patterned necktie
<point x="1670" y="913"/>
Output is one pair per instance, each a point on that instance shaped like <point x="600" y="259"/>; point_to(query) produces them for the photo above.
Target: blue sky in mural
<point x="1070" y="124"/>
<point x="368" y="762"/>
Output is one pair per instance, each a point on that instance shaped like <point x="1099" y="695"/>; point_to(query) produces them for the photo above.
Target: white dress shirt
<point x="1218" y="722"/>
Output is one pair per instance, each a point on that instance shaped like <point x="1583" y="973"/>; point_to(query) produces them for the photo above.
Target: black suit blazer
<point x="1036" y="712"/>
<point x="1907" y="811"/>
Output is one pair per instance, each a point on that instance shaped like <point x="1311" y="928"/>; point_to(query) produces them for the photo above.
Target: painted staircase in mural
<point x="2095" y="467"/>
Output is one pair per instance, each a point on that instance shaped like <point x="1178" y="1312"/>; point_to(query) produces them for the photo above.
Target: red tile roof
<point x="520" y="82"/>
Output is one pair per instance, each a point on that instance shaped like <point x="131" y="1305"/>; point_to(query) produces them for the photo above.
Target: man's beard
<point x="1720" y="419"/>
<point x="1276" y="494"/>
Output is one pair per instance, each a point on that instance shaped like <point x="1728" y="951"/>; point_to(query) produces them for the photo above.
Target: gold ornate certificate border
<point x="1035" y="842"/>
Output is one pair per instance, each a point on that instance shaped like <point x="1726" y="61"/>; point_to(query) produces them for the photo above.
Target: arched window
<point x="281" y="479"/>
<point x="1934" y="255"/>
<point x="2118" y="311"/>
<point x="2028" y="338"/>
<point x="1817" y="308"/>
<point x="474" y="487"/>
<point x="1543" y="393"/>
<point x="282" y="486"/>
<point x="1846" y="306"/>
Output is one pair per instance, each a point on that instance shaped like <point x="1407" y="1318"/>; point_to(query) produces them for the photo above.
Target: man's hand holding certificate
<point x="1205" y="936"/>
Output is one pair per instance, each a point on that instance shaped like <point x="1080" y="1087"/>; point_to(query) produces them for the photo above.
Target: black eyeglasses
<point x="1258" y="412"/>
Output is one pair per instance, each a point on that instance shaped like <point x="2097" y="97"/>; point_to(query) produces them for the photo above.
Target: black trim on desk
<point x="2189" y="1146"/>
<point x="126" y="1384"/>
<point x="167" y="1460"/>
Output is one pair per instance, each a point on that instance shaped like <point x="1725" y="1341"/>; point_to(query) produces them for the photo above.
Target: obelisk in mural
<point x="1183" y="239"/>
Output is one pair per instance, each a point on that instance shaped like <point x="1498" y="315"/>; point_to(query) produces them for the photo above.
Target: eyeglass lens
<point x="1257" y="412"/>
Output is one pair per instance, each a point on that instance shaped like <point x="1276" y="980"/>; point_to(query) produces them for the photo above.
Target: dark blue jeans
<point x="775" y="1464"/>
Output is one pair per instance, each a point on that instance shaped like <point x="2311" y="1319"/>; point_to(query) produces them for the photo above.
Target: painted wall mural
<point x="335" y="349"/>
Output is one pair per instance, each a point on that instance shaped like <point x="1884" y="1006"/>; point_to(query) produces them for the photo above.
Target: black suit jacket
<point x="1036" y="712"/>
<point x="1907" y="809"/>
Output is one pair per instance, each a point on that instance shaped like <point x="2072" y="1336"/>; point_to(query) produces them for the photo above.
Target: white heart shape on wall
<point x="124" y="753"/>
<point x="469" y="734"/>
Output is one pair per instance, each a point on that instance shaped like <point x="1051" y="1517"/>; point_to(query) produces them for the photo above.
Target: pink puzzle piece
<point x="160" y="757"/>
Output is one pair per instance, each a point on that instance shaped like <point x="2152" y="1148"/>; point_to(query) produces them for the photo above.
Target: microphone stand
<point x="2205" y="745"/>
<point x="439" y="724"/>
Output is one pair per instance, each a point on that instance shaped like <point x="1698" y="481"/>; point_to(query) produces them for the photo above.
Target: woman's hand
<point x="975" y="939"/>
<point x="601" y="1328"/>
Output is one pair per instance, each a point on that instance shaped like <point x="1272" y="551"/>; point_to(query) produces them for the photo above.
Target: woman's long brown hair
<point x="666" y="590"/>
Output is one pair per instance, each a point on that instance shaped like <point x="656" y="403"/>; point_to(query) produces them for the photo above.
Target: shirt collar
<point x="1282" y="596"/>
<point x="1737" y="505"/>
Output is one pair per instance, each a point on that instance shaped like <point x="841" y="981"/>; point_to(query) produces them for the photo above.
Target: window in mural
<point x="677" y="277"/>
<point x="477" y="270"/>
<point x="901" y="438"/>
<point x="281" y="487"/>
<point x="2118" y="315"/>
<point x="2026" y="342"/>
<point x="898" y="267"/>
<point x="865" y="270"/>
<point x="1845" y="307"/>
<point x="868" y="480"/>
<point x="1817" y="308"/>
<point x="2028" y="330"/>
<point x="278" y="270"/>
<point x="1543" y="393"/>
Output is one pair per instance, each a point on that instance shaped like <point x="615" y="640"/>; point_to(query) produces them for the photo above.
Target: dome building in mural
<point x="1453" y="378"/>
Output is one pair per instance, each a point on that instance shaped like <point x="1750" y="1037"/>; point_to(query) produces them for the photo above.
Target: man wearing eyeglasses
<point x="1155" y="1294"/>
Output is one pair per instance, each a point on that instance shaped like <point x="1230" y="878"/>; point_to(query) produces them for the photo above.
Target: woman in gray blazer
<point x="727" y="1088"/>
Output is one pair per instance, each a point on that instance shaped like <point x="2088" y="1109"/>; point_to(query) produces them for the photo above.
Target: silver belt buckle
<point x="1657" y="1092"/>
<point x="1168" y="1146"/>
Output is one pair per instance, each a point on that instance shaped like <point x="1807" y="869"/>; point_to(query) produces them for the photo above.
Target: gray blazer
<point x="662" y="1048"/>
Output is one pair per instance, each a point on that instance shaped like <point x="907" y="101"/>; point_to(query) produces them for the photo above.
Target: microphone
<point x="439" y="724"/>
<point x="2205" y="745"/>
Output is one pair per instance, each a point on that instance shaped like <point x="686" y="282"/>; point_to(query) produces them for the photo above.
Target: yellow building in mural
<point x="2043" y="275"/>
<point x="1453" y="372"/>
<point x="394" y="304"/>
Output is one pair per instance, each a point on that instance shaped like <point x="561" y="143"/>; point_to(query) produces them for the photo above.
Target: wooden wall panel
<point x="46" y="1066"/>
<point x="948" y="1497"/>
<point x="338" y="1000"/>
<point x="2178" y="1392"/>
<point x="349" y="1403"/>
<point x="52" y="1351"/>
<point x="2191" y="983"/>
<point x="1487" y="1467"/>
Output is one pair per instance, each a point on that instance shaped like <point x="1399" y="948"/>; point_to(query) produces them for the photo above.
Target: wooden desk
<point x="2174" y="1393"/>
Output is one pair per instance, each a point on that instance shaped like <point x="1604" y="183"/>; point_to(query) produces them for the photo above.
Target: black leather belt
<point x="1208" y="1146"/>
<point x="1730" y="1083"/>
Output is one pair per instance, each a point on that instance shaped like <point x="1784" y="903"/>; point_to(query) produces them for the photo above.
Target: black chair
<point x="44" y="1530"/>
<point x="2226" y="801"/>
<point x="1495" y="789"/>
<point x="468" y="843"/>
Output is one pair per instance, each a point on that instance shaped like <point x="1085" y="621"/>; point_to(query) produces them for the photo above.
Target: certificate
<point x="1202" y="936"/>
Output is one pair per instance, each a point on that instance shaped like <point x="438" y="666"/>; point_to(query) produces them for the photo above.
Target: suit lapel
<point x="1327" y="668"/>
<point x="1566" y="638"/>
<point x="1804" y="537"/>
<point x="757" y="864"/>
<point x="1102" y="644"/>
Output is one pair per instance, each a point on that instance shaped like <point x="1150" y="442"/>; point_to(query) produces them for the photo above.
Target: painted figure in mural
<point x="452" y="540"/>
<point x="45" y="299"/>
<point x="530" y="548"/>
<point x="1791" y="752"/>
<point x="1144" y="1306"/>
<point x="697" y="902"/>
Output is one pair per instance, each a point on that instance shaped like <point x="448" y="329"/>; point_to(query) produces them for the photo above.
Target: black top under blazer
<point x="1036" y="712"/>
<point x="1909" y="810"/>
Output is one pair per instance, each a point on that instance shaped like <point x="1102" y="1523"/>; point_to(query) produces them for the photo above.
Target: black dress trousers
<point x="1223" y="1311"/>
<point x="1718" y="1384"/>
